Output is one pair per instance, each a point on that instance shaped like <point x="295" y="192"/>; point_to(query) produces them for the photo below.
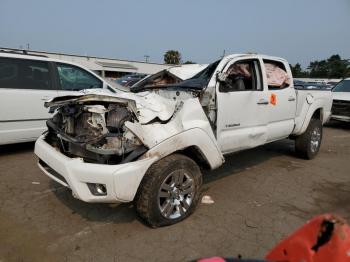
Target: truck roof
<point x="252" y="55"/>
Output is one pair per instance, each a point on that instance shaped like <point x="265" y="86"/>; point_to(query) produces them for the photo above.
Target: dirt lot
<point x="260" y="196"/>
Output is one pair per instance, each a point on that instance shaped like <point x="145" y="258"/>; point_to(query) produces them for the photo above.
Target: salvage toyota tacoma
<point x="150" y="145"/>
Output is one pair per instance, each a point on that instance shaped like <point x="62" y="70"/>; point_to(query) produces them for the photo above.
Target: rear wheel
<point x="308" y="144"/>
<point x="169" y="192"/>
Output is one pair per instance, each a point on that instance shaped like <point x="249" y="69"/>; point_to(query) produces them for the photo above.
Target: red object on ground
<point x="212" y="259"/>
<point x="325" y="238"/>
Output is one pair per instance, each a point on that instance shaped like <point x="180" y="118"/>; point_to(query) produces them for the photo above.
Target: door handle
<point x="290" y="99"/>
<point x="263" y="102"/>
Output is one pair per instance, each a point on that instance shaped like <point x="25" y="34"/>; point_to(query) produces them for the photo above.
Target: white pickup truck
<point x="149" y="147"/>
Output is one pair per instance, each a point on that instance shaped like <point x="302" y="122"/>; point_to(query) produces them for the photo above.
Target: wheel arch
<point x="196" y="155"/>
<point x="315" y="111"/>
<point x="194" y="143"/>
<point x="318" y="114"/>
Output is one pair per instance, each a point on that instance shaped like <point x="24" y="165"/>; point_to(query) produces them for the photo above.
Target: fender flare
<point x="192" y="137"/>
<point x="310" y="112"/>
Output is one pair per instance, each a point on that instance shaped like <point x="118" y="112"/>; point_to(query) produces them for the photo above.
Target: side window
<point x="243" y="75"/>
<point x="24" y="74"/>
<point x="276" y="75"/>
<point x="75" y="78"/>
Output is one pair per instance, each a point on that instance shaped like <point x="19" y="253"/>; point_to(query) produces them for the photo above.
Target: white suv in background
<point x="341" y="101"/>
<point x="26" y="82"/>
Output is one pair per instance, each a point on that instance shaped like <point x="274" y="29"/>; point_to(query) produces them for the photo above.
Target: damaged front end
<point x="120" y="128"/>
<point x="92" y="127"/>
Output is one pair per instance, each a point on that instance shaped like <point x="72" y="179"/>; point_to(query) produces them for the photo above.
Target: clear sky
<point x="299" y="30"/>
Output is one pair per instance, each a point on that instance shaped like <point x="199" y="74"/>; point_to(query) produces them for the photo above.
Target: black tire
<point x="308" y="144"/>
<point x="148" y="201"/>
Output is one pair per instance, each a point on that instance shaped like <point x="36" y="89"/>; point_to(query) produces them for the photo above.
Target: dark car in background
<point x="298" y="84"/>
<point x="130" y="79"/>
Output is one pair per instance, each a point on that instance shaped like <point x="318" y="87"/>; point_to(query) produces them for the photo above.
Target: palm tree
<point x="172" y="57"/>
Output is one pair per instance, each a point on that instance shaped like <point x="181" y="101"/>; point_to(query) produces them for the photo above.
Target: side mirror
<point x="221" y="77"/>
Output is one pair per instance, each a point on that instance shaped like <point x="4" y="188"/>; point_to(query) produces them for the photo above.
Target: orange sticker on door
<point x="273" y="99"/>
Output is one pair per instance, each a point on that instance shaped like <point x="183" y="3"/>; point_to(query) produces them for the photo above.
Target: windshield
<point x="207" y="72"/>
<point x="166" y="79"/>
<point x="343" y="86"/>
<point x="200" y="80"/>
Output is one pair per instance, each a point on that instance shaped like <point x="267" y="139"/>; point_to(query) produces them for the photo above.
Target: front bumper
<point x="121" y="181"/>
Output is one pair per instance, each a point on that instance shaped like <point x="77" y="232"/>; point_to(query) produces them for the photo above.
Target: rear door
<point x="282" y="108"/>
<point x="24" y="87"/>
<point x="242" y="106"/>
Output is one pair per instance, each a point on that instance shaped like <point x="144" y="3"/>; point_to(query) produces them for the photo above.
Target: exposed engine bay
<point x="95" y="132"/>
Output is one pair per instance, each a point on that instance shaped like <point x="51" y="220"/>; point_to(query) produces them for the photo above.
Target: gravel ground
<point x="260" y="195"/>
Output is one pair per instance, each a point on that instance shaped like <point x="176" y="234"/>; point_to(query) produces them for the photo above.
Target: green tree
<point x="297" y="71"/>
<point x="172" y="57"/>
<point x="333" y="67"/>
<point x="319" y="69"/>
<point x="337" y="67"/>
<point x="188" y="62"/>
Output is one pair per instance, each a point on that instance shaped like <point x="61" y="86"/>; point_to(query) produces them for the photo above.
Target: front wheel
<point x="308" y="144"/>
<point x="169" y="191"/>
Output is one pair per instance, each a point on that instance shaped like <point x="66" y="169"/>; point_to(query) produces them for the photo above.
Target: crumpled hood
<point x="146" y="105"/>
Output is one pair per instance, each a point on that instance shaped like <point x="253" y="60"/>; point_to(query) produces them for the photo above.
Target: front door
<point x="242" y="106"/>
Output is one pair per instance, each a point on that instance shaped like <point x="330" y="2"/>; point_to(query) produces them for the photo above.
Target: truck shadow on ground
<point x="16" y="148"/>
<point x="125" y="212"/>
<point x="240" y="161"/>
<point x="95" y="212"/>
<point x="338" y="125"/>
